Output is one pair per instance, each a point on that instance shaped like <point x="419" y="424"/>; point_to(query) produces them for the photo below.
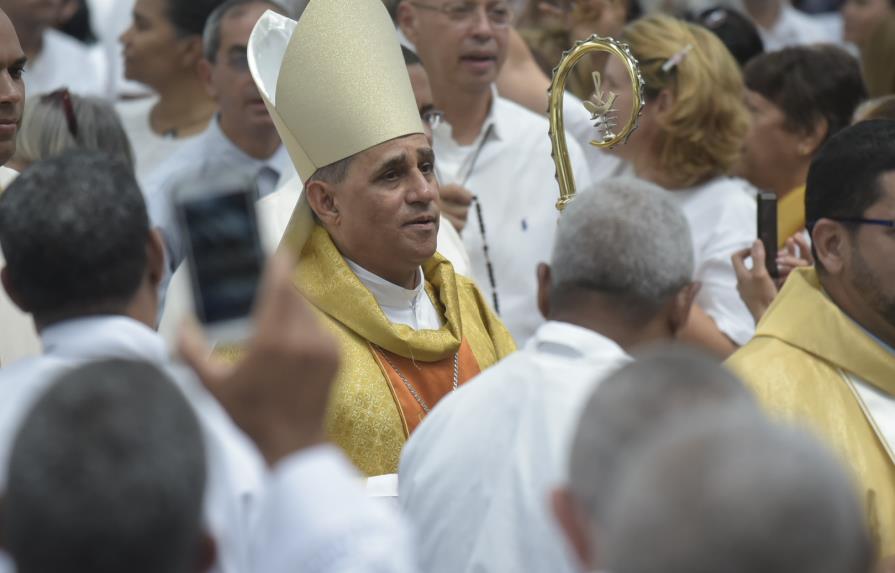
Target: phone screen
<point x="225" y="253"/>
<point x="767" y="230"/>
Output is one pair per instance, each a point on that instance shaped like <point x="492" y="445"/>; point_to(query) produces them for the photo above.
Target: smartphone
<point x="223" y="250"/>
<point x="767" y="230"/>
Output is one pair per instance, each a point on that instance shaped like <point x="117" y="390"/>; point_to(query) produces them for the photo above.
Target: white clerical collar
<point x="386" y="293"/>
<point x="104" y="336"/>
<point x="572" y="341"/>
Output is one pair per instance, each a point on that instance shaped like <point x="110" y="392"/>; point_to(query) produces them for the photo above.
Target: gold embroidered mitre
<point x="335" y="84"/>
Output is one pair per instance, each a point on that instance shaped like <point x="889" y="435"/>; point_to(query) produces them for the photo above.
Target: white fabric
<point x="794" y="28"/>
<point x="317" y="519"/>
<point x="150" y="149"/>
<point x="514" y="181"/>
<point x="274" y="212"/>
<point x="63" y="62"/>
<point x="475" y="476"/>
<point x="722" y="217"/>
<point x="207" y="153"/>
<point x="881" y="409"/>
<point x="236" y="471"/>
<point x="411" y="307"/>
<point x="18" y="337"/>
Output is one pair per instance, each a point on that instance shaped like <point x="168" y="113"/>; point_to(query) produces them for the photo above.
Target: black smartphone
<point x="767" y="230"/>
<point x="224" y="252"/>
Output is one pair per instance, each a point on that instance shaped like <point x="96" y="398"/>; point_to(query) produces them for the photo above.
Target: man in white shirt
<point x="496" y="149"/>
<point x="315" y="517"/>
<point x="242" y="138"/>
<point x="55" y="60"/>
<point x="475" y="478"/>
<point x="626" y="412"/>
<point x="81" y="258"/>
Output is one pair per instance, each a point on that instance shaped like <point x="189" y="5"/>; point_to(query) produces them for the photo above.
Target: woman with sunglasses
<point x="691" y="133"/>
<point x="61" y="121"/>
<point x="162" y="49"/>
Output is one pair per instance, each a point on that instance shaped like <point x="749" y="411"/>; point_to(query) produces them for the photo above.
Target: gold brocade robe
<point x="365" y="417"/>
<point x="796" y="365"/>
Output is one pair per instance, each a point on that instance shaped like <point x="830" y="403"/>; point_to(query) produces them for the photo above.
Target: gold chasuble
<point x="373" y="409"/>
<point x="802" y="365"/>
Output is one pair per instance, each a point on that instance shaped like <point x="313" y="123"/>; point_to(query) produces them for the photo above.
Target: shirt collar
<point x="572" y="341"/>
<point x="386" y="293"/>
<point x="99" y="337"/>
<point x="494" y="125"/>
<point x="216" y="142"/>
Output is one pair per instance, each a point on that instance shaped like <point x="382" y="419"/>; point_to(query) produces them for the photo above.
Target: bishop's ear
<point x="405" y="17"/>
<point x="322" y="199"/>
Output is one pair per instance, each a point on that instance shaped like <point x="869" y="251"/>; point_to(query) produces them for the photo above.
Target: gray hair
<point x="45" y="132"/>
<point x="635" y="404"/>
<point x="740" y="495"/>
<point x="107" y="474"/>
<point x="211" y="36"/>
<point x="624" y="237"/>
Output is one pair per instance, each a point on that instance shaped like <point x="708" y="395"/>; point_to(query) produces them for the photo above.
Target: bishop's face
<point x="387" y="211"/>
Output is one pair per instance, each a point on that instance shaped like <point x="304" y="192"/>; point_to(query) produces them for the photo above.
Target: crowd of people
<point x="442" y="371"/>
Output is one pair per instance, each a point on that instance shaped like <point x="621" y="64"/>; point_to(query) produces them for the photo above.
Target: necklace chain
<point x="488" y="265"/>
<point x="410" y="386"/>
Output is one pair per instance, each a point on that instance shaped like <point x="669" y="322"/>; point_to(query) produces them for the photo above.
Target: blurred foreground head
<point x="628" y="410"/>
<point x="736" y="494"/>
<point x="106" y="475"/>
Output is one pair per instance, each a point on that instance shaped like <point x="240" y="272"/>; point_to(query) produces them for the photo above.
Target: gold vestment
<point x="797" y="365"/>
<point x="364" y="416"/>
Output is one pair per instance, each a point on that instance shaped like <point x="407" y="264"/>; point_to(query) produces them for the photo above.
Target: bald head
<point x="736" y="494"/>
<point x="12" y="87"/>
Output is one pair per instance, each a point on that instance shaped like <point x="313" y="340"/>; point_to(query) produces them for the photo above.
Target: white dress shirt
<point x="150" y="148"/>
<point x="18" y="338"/>
<point x="236" y="471"/>
<point x="795" y="28"/>
<point x="317" y="519"/>
<point x="476" y="475"/>
<point x="63" y="62"/>
<point x="722" y="216"/>
<point x="411" y="307"/>
<point x="210" y="151"/>
<point x="513" y="178"/>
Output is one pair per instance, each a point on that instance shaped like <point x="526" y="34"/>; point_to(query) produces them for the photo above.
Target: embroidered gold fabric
<point x="795" y="366"/>
<point x="363" y="417"/>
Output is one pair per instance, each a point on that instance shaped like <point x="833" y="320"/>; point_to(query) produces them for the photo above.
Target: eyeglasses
<point x="861" y="221"/>
<point x="432" y="118"/>
<point x="499" y="15"/>
<point x="64" y="97"/>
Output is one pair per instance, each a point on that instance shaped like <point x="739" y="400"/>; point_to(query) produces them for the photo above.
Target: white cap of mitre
<point x="335" y="84"/>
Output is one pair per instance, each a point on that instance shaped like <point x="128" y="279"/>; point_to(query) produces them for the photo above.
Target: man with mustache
<point x="410" y="329"/>
<point x="241" y="137"/>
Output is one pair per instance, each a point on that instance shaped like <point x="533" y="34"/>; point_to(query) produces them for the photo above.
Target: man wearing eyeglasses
<point x="242" y="136"/>
<point x="824" y="353"/>
<point x="494" y="148"/>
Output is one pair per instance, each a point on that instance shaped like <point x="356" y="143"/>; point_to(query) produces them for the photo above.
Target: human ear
<point x="323" y="202"/>
<point x="831" y="244"/>
<point x="155" y="258"/>
<point x="11" y="292"/>
<point x="544" y="285"/>
<point x="680" y="306"/>
<point x="406" y="17"/>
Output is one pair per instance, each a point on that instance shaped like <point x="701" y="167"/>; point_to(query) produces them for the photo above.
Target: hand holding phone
<point x="767" y="230"/>
<point x="224" y="252"/>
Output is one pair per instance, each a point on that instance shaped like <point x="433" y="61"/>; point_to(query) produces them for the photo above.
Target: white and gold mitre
<point x="334" y="82"/>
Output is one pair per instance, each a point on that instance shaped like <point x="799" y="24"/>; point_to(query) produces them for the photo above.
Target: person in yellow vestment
<point x="824" y="353"/>
<point x="365" y="227"/>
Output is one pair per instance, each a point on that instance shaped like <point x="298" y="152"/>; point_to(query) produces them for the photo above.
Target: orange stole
<point x="431" y="380"/>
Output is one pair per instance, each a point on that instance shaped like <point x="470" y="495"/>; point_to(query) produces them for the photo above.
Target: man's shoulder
<point x="769" y="364"/>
